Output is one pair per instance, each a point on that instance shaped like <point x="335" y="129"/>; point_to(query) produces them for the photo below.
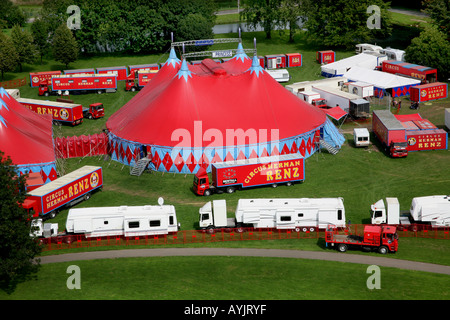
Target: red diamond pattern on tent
<point x="275" y="152"/>
<point x="53" y="175"/>
<point x="241" y="156"/>
<point x="129" y="155"/>
<point x="308" y="145"/>
<point x="179" y="162"/>
<point x="285" y="149"/>
<point x="43" y="175"/>
<point x="191" y="163"/>
<point x="204" y="162"/>
<point x="253" y="155"/>
<point x="229" y="157"/>
<point x="156" y="160"/>
<point x="264" y="153"/>
<point x="216" y="158"/>
<point x="167" y="161"/>
<point x="302" y="148"/>
<point x="121" y="152"/>
<point x="294" y="148"/>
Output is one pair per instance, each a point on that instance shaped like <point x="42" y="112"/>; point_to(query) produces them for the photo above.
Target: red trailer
<point x="426" y="74"/>
<point x="72" y="188"/>
<point x="152" y="66"/>
<point x="262" y="61"/>
<point x="120" y="72"/>
<point x="37" y="77"/>
<point x="80" y="71"/>
<point x="71" y="113"/>
<point x="275" y="61"/>
<point x="293" y="60"/>
<point x="429" y="91"/>
<point x="240" y="174"/>
<point x="79" y="83"/>
<point x="383" y="239"/>
<point x="406" y="133"/>
<point x="138" y="79"/>
<point x="390" y="132"/>
<point x="327" y="56"/>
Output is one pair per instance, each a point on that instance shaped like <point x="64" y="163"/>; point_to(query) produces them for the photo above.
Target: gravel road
<point x="247" y="252"/>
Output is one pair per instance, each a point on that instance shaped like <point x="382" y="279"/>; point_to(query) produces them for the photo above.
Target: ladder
<point x="328" y="146"/>
<point x="139" y="166"/>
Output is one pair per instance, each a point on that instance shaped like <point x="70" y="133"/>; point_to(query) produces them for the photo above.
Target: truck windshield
<point x="401" y="144"/>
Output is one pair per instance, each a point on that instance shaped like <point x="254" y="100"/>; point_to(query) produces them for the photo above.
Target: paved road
<point x="247" y="252"/>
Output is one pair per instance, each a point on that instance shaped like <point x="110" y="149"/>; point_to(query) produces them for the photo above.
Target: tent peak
<point x="173" y="59"/>
<point x="256" y="67"/>
<point x="184" y="71"/>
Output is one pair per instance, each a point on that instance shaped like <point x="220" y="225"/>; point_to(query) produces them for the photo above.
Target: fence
<point x="221" y="235"/>
<point x="12" y="84"/>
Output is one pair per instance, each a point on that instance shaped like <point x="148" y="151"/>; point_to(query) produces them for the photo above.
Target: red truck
<point x="425" y="74"/>
<point x="37" y="77"/>
<point x="138" y="79"/>
<point x="390" y="132"/>
<point x="428" y="92"/>
<point x="240" y="174"/>
<point x="45" y="201"/>
<point x="383" y="239"/>
<point x="71" y="113"/>
<point x="405" y="133"/>
<point x="78" y="83"/>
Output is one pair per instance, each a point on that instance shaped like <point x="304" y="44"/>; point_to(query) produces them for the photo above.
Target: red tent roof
<point x="25" y="136"/>
<point x="236" y="94"/>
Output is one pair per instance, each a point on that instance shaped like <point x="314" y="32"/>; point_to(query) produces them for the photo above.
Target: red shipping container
<point x="37" y="77"/>
<point x="294" y="60"/>
<point x="120" y="72"/>
<point x="275" y="61"/>
<point x="326" y="56"/>
<point x="428" y="92"/>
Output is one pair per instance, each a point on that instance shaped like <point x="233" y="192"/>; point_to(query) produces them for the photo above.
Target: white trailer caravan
<point x="281" y="75"/>
<point x="299" y="87"/>
<point x="302" y="214"/>
<point x="394" y="54"/>
<point x="431" y="210"/>
<point x="129" y="221"/>
<point x="361" y="137"/>
<point x="447" y="118"/>
<point x="359" y="88"/>
<point x="363" y="47"/>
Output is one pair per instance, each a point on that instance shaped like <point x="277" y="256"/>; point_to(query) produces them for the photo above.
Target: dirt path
<point x="247" y="252"/>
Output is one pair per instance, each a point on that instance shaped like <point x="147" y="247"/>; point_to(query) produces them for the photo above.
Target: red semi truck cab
<point x="320" y="103"/>
<point x="239" y="174"/>
<point x="95" y="111"/>
<point x="398" y="148"/>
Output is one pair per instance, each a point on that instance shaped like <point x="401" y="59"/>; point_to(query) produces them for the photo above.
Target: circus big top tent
<point x="189" y="116"/>
<point x="27" y="138"/>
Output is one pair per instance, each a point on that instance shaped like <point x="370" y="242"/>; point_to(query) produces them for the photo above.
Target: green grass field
<point x="360" y="176"/>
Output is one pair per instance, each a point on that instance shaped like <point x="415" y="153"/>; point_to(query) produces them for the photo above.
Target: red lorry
<point x="78" y="83"/>
<point x="37" y="77"/>
<point x="428" y="92"/>
<point x="383" y="239"/>
<point x="138" y="79"/>
<point x="121" y="72"/>
<point x="426" y="74"/>
<point x="239" y="174"/>
<point x="405" y="133"/>
<point x="46" y="200"/>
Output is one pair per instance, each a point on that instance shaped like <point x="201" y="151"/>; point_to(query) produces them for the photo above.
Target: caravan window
<point x="171" y="220"/>
<point x="300" y="215"/>
<point x="133" y="224"/>
<point x="285" y="218"/>
<point x="339" y="215"/>
<point x="155" y="223"/>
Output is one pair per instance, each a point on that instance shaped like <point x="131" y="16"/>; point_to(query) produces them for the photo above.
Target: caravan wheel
<point x="297" y="229"/>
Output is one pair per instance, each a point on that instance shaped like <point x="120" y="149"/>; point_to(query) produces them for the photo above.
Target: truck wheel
<point x="342" y="247"/>
<point x="274" y="185"/>
<point x="207" y="193"/>
<point x="90" y="116"/>
<point x="46" y="94"/>
<point x="87" y="196"/>
<point x="383" y="250"/>
<point x="99" y="91"/>
<point x="133" y="89"/>
<point x="289" y="184"/>
<point x="210" y="230"/>
<point x="230" y="190"/>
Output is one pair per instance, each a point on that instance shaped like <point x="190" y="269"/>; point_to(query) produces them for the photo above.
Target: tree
<point x="342" y="23"/>
<point x="439" y="11"/>
<point x="40" y="33"/>
<point x="25" y="48"/>
<point x="17" y="248"/>
<point x="262" y="12"/>
<point x="290" y="13"/>
<point x="193" y="27"/>
<point x="8" y="54"/>
<point x="65" y="46"/>
<point x="430" y="49"/>
<point x="11" y="13"/>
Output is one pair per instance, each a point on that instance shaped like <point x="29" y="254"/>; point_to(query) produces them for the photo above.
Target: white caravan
<point x="361" y="137"/>
<point x="303" y="214"/>
<point x="280" y="75"/>
<point x="432" y="210"/>
<point x="129" y="221"/>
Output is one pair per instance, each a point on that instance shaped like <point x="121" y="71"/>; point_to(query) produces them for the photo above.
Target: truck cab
<point x="44" y="88"/>
<point x="95" y="111"/>
<point x="320" y="103"/>
<point x="201" y="183"/>
<point x="213" y="215"/>
<point x="398" y="148"/>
